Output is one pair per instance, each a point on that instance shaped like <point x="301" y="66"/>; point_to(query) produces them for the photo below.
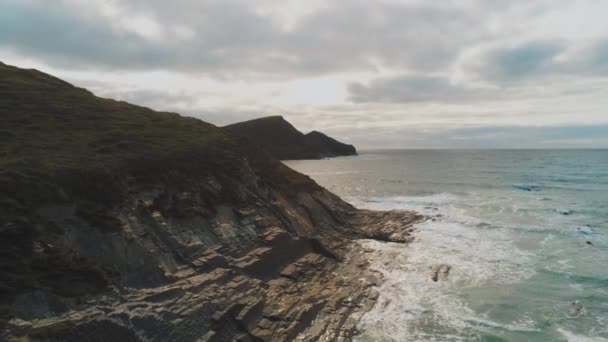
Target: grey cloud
<point x="538" y="60"/>
<point x="408" y="88"/>
<point x="532" y="69"/>
<point x="231" y="37"/>
<point x="422" y="38"/>
<point x="523" y="61"/>
<point x="64" y="39"/>
<point x="593" y="59"/>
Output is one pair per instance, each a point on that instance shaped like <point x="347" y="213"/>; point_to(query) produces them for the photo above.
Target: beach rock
<point x="584" y="230"/>
<point x="527" y="187"/>
<point x="576" y="309"/>
<point x="440" y="272"/>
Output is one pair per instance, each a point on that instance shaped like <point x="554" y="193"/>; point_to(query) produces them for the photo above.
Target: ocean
<point x="524" y="232"/>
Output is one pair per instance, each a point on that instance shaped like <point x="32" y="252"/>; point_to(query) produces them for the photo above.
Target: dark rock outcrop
<point x="440" y="272"/>
<point x="124" y="224"/>
<point x="283" y="141"/>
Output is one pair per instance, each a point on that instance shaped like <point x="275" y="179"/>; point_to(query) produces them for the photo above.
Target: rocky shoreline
<point x="317" y="296"/>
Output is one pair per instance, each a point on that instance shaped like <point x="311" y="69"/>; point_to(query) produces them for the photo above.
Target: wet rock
<point x="576" y="309"/>
<point x="527" y="187"/>
<point x="584" y="230"/>
<point x="440" y="272"/>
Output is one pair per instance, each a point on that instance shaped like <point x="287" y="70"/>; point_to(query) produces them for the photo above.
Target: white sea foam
<point x="572" y="337"/>
<point x="403" y="202"/>
<point x="411" y="305"/>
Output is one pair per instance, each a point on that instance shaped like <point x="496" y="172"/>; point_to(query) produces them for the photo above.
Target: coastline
<point x="358" y="282"/>
<point x="315" y="297"/>
<point x="194" y="234"/>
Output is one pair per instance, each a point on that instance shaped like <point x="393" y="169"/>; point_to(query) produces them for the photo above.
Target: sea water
<point x="524" y="231"/>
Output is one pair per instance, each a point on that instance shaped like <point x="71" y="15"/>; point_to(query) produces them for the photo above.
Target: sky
<point x="378" y="74"/>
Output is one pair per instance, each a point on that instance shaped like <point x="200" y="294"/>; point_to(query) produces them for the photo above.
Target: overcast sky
<point x="392" y="73"/>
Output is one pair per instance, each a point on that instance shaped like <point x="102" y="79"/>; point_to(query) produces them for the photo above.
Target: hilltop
<point x="329" y="145"/>
<point x="283" y="141"/>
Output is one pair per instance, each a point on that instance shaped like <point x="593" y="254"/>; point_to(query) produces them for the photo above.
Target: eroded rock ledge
<point x="291" y="288"/>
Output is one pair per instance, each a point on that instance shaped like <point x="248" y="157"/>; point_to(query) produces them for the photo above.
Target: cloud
<point x="523" y="70"/>
<point x="524" y="61"/>
<point x="232" y="36"/>
<point x="48" y="31"/>
<point x="591" y="59"/>
<point x="540" y="60"/>
<point x="413" y="88"/>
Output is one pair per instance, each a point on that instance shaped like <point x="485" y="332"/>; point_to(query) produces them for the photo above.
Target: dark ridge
<point x="283" y="141"/>
<point x="332" y="146"/>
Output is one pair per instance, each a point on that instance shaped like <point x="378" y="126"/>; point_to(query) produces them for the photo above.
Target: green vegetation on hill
<point x="51" y="131"/>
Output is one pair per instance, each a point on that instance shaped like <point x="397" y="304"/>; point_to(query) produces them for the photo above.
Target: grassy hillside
<point x="52" y="132"/>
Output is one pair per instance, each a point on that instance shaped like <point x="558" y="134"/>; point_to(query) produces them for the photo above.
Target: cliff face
<point x="283" y="141"/>
<point x="121" y="223"/>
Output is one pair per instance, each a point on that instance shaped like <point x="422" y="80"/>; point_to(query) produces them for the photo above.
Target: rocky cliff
<point x="120" y="223"/>
<point x="283" y="141"/>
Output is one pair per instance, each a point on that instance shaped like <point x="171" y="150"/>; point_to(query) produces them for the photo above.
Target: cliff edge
<point x="125" y="224"/>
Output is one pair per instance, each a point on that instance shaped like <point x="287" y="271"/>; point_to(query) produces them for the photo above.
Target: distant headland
<point x="283" y="141"/>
